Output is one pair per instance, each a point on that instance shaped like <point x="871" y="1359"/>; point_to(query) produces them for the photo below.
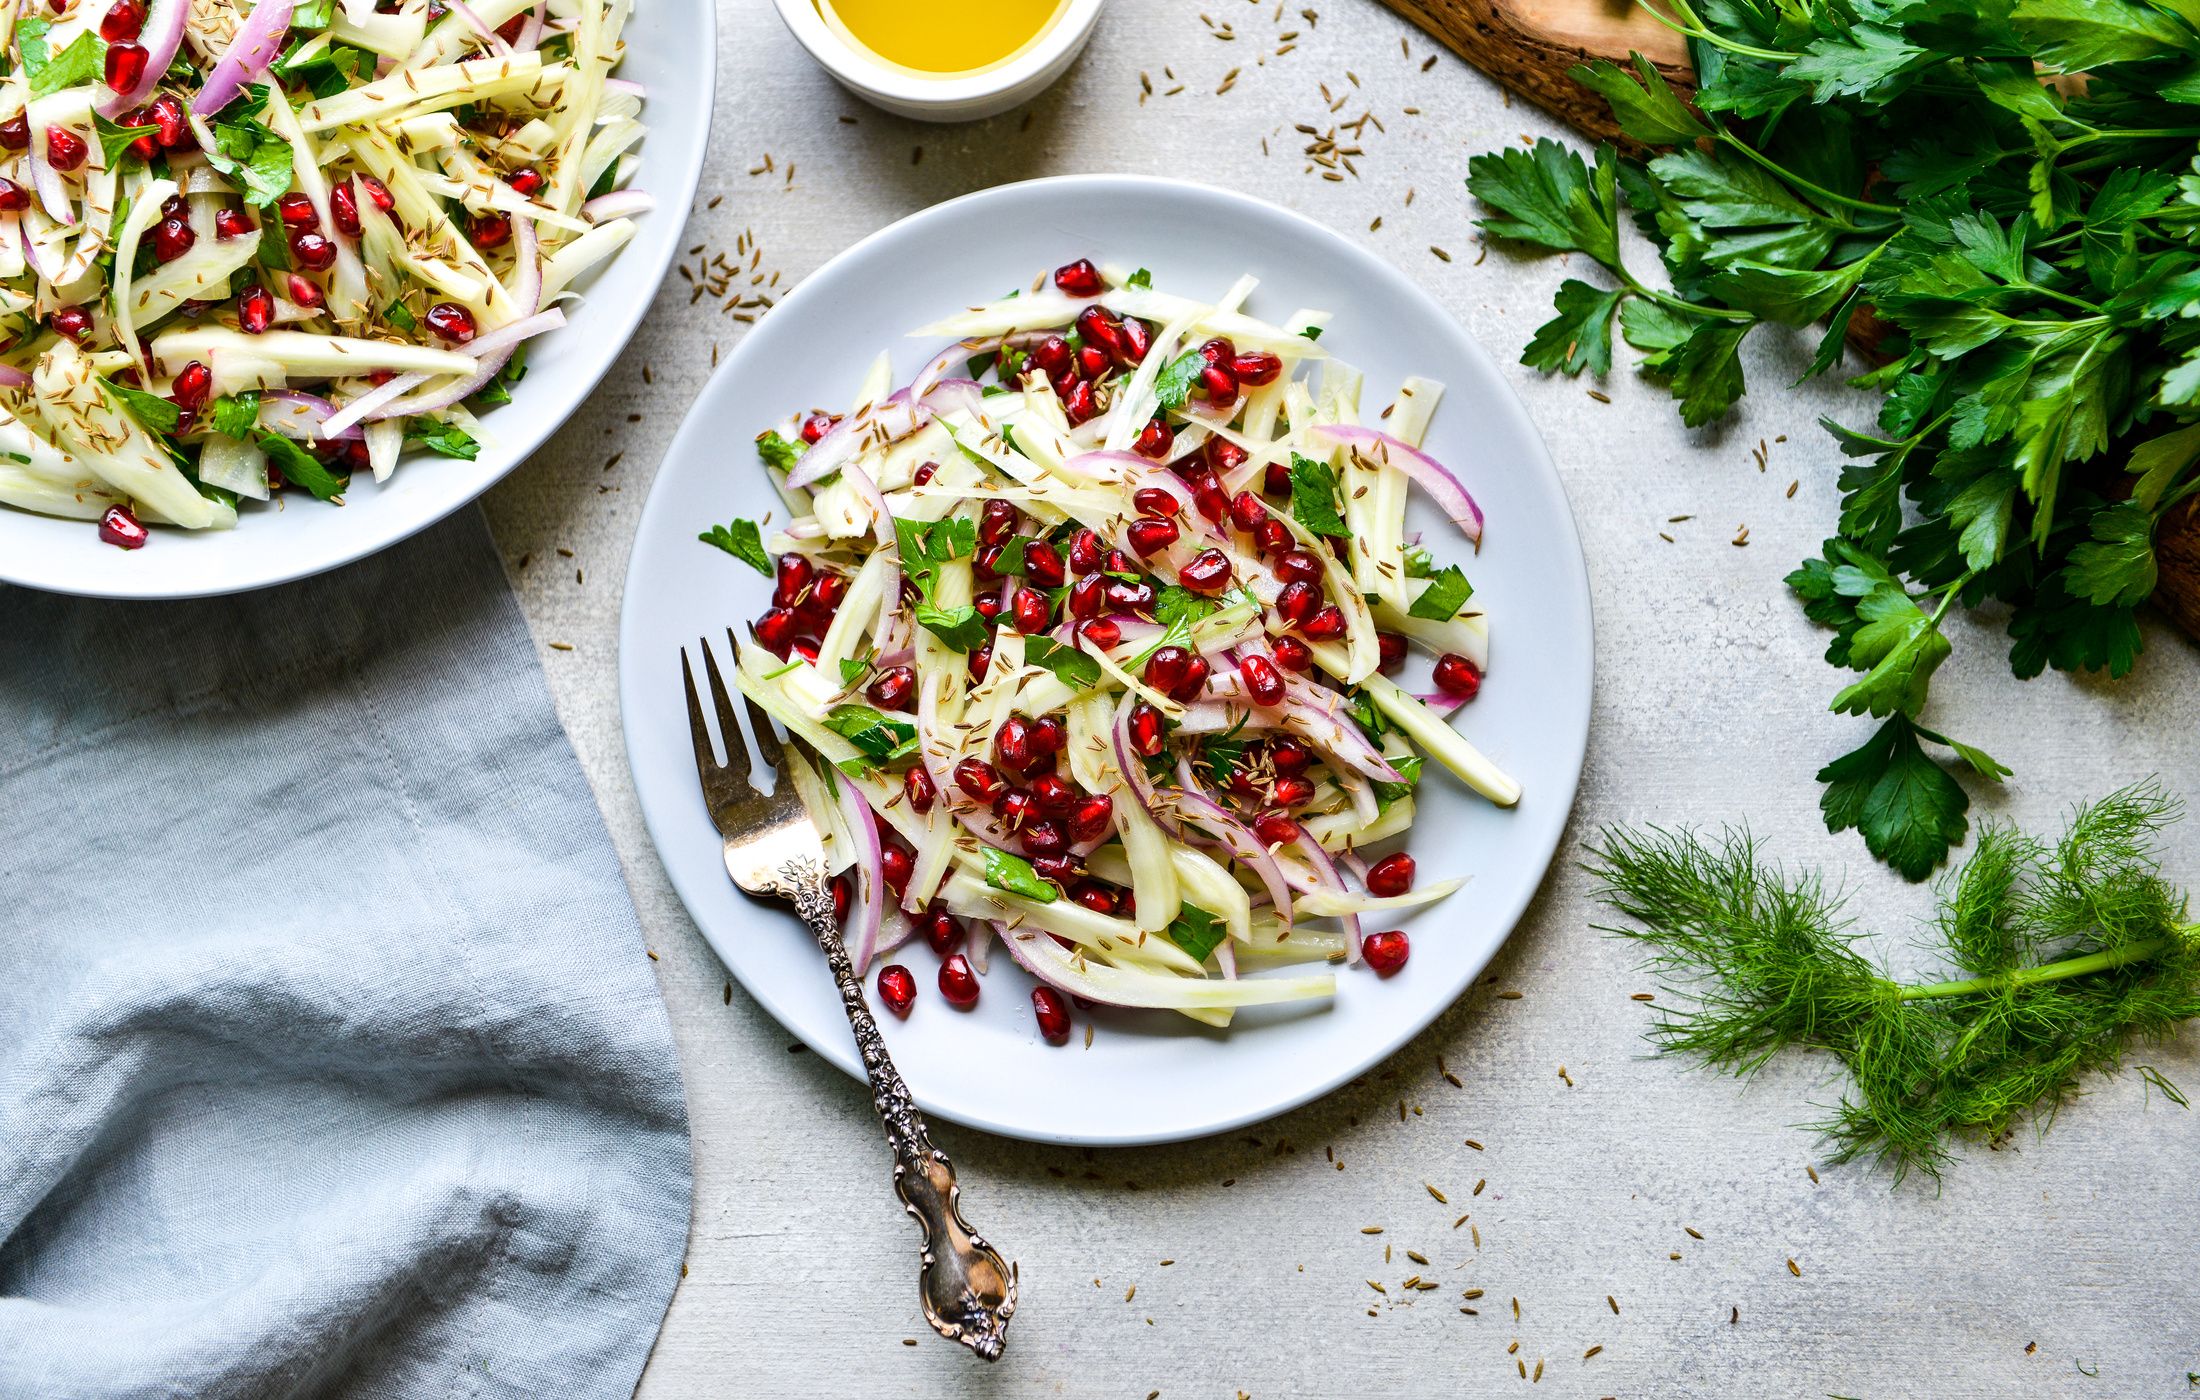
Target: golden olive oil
<point x="941" y="37"/>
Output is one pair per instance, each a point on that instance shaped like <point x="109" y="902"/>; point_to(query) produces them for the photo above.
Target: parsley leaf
<point x="1906" y="807"/>
<point x="778" y="451"/>
<point x="302" y="468"/>
<point x="1178" y="606"/>
<point x="235" y="415"/>
<point x="1446" y="594"/>
<point x="1548" y="197"/>
<point x="743" y="540"/>
<point x="1580" y="336"/>
<point x="882" y="740"/>
<point x="1196" y="931"/>
<point x="1014" y="874"/>
<point x="114" y="140"/>
<point x="1070" y="666"/>
<point x="1650" y="112"/>
<point x="447" y="439"/>
<point x="83" y="61"/>
<point x="247" y="152"/>
<point x="152" y="410"/>
<point x="1173" y="385"/>
<point x="1314" y="497"/>
<point x="1141" y="279"/>
<point x="962" y="629"/>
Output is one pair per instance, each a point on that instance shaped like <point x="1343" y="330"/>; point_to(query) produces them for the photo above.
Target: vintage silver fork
<point x="773" y="848"/>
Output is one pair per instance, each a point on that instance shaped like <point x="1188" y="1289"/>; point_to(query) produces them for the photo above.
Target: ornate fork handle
<point x="969" y="1293"/>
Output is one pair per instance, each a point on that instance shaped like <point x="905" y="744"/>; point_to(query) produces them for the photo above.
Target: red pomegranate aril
<point x="1043" y="565"/>
<point x="981" y="661"/>
<point x="194" y="383"/>
<point x="1080" y="405"/>
<point x="525" y="180"/>
<point x="925" y="473"/>
<point x="256" y="310"/>
<point x="377" y="192"/>
<point x="1094" y="896"/>
<point x="1137" y="340"/>
<point x="898" y="863"/>
<point x="1061" y="869"/>
<point x="1212" y="501"/>
<point x="1275" y="828"/>
<point x="1032" y="611"/>
<point x="491" y="231"/>
<point x="897" y="988"/>
<point x="65" y="150"/>
<point x="1079" y="279"/>
<point x="1092" y="361"/>
<point x="1208" y="573"/>
<point x="1289" y="757"/>
<point x="1086" y="596"/>
<point x="958" y="983"/>
<point x="1092" y="817"/>
<point x="917" y="787"/>
<point x="1390" y="648"/>
<point x="1045" y="838"/>
<point x="939" y="929"/>
<point x="15" y="132"/>
<point x="1220" y="384"/>
<point x="231" y="223"/>
<point x="816" y="426"/>
<point x="172" y="238"/>
<point x="296" y="211"/>
<point x="1326" y="625"/>
<point x="986" y="563"/>
<point x="892" y="688"/>
<point x="510" y="30"/>
<point x="996" y="521"/>
<point x="1218" y="351"/>
<point x="175" y="206"/>
<point x="1013" y="744"/>
<point x="791" y="579"/>
<point x="125" y="19"/>
<point x="1262" y="681"/>
<point x="776" y="631"/>
<point x="1387" y="951"/>
<point x="1051" y="355"/>
<point x="1275" y="479"/>
<point x="1155" y="441"/>
<point x="980" y="780"/>
<point x="1292" y="654"/>
<point x="143" y="147"/>
<point x="1102" y="633"/>
<point x="1126" y="596"/>
<point x="1273" y="536"/>
<point x="1119" y="562"/>
<point x="1455" y="675"/>
<point x="1167" y="668"/>
<point x="1247" y="511"/>
<point x="1149" y="537"/>
<point x="125" y="66"/>
<point x="1299" y="566"/>
<point x="1016" y="809"/>
<point x="1256" y="367"/>
<point x="1049" y="736"/>
<point x="1051" y="1010"/>
<point x="122" y="529"/>
<point x="13" y="197"/>
<point x="1156" y="501"/>
<point x="1098" y="326"/>
<point x="843" y="896"/>
<point x="317" y="253"/>
<point x="1291" y="792"/>
<point x="343" y="209"/>
<point x="827" y="593"/>
<point x="1391" y="876"/>
<point x="1296" y="602"/>
<point x="71" y="321"/>
<point x="1195" y="681"/>
<point x="1055" y="797"/>
<point x="1146" y="732"/>
<point x="171" y="121"/>
<point x="450" y="321"/>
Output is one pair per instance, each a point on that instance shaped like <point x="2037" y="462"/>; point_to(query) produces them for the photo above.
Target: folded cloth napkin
<point x="330" y="1062"/>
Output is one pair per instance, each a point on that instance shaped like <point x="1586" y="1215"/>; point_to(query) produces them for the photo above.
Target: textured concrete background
<point x="1710" y="706"/>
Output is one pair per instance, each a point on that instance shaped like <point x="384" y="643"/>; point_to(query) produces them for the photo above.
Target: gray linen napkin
<point x="330" y="1062"/>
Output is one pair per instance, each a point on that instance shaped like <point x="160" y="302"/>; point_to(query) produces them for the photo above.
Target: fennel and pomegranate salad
<point x="250" y="245"/>
<point x="1094" y="637"/>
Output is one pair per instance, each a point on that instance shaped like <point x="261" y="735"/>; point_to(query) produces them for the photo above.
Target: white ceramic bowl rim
<point x="851" y="65"/>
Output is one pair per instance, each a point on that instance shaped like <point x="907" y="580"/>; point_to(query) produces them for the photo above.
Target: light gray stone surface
<point x="1710" y="706"/>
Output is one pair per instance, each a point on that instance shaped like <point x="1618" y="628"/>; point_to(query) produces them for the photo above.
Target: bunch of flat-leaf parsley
<point x="2028" y="237"/>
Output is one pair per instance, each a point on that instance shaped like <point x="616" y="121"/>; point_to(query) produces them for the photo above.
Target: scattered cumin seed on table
<point x="1371" y="1229"/>
<point x="1480" y="1184"/>
<point x="1795" y="1268"/>
<point x="1441" y="255"/>
<point x="1613" y="1302"/>
<point x="1600" y="396"/>
<point x="1592" y="1351"/>
<point x="1514" y="1347"/>
<point x="1813" y="1171"/>
<point x="1693" y="1232"/>
<point x="1440" y="1197"/>
<point x="1470" y="1142"/>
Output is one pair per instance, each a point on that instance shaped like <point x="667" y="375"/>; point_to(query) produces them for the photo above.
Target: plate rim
<point x="626" y="321"/>
<point x="841" y="1053"/>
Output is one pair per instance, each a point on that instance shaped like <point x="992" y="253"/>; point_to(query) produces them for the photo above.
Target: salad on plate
<point x="251" y="249"/>
<point x="1094" y="625"/>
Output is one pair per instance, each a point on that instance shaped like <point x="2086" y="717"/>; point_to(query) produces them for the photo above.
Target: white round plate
<point x="671" y="49"/>
<point x="1147" y="1076"/>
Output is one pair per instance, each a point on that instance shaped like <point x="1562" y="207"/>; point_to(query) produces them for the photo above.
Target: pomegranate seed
<point x="1099" y="328"/>
<point x="893" y="687"/>
<point x="509" y="31"/>
<point x="143" y="147"/>
<point x="1045" y="838"/>
<point x="940" y="929"/>
<point x="1049" y="736"/>
<point x="1079" y="279"/>
<point x="1013" y="745"/>
<point x="958" y="983"/>
<point x="1146" y="732"/>
<point x="125" y="19"/>
<point x="1102" y="633"/>
<point x="1224" y="455"/>
<point x="450" y="321"/>
<point x="1081" y="404"/>
<point x="1326" y="625"/>
<point x="122" y="529"/>
<point x="1262" y="681"/>
<point x="1055" y="797"/>
<point x="1043" y="565"/>
<point x="172" y="120"/>
<point x="1167" y="668"/>
<point x="1137" y="340"/>
<point x="343" y="209"/>
<point x="1092" y="817"/>
<point x="15" y="132"/>
<point x="827" y="593"/>
<point x="1292" y="654"/>
<point x="843" y="896"/>
<point x="296" y="211"/>
<point x="791" y="578"/>
<point x="1256" y="367"/>
<point x="13" y="197"/>
<point x="316" y="252"/>
<point x="256" y="312"/>
<point x="125" y="65"/>
<point x="1275" y="828"/>
<point x="1032" y="610"/>
<point x="1289" y="757"/>
<point x="65" y="150"/>
<point x="1247" y="512"/>
<point x="897" y="988"/>
<point x="1209" y="573"/>
<point x="1275" y="479"/>
<point x="1455" y="675"/>
<point x="1392" y="649"/>
<point x="72" y="321"/>
<point x="1060" y="869"/>
<point x="1150" y="537"/>
<point x="916" y="785"/>
<point x="816" y="426"/>
<point x="1299" y="566"/>
<point x="1212" y="500"/>
<point x="1119" y="562"/>
<point x="1386" y="952"/>
<point x="1220" y="384"/>
<point x="172" y="238"/>
<point x="987" y="561"/>
<point x="1297" y="602"/>
<point x="1390" y="876"/>
<point x="1086" y="596"/>
<point x="981" y="661"/>
<point x="1051" y="1010"/>
<point x="897" y="863"/>
<point x="525" y="180"/>
<point x="194" y="383"/>
<point x="980" y="780"/>
<point x="1292" y="792"/>
<point x="1051" y="355"/>
<point x="231" y="223"/>
<point x="1218" y="351"/>
<point x="1195" y="681"/>
<point x="1273" y="536"/>
<point x="1016" y="809"/>
<point x="1092" y="361"/>
<point x="378" y="192"/>
<point x="996" y="522"/>
<point x="776" y="631"/>
<point x="1094" y="897"/>
<point x="1130" y="597"/>
<point x="1156" y="501"/>
<point x="1155" y="441"/>
<point x="924" y="473"/>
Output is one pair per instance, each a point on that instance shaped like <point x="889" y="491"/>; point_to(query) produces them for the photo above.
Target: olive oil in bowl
<point x="943" y="38"/>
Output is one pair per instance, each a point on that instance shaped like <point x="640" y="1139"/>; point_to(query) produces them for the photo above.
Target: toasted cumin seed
<point x="1371" y="1229"/>
<point x="1417" y="1256"/>
<point x="1794" y="1268"/>
<point x="1470" y="1142"/>
<point x="1813" y="1173"/>
<point x="1693" y="1232"/>
<point x="1459" y="1222"/>
<point x="1643" y="996"/>
<point x="1441" y="1199"/>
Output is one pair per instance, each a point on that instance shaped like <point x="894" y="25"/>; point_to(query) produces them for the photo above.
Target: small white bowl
<point x="963" y="98"/>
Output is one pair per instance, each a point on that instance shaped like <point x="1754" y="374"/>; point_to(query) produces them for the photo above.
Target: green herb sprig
<point x="2063" y="956"/>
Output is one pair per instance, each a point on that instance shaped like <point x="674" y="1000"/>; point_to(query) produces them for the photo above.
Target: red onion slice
<point x="52" y="194"/>
<point x="493" y="350"/>
<point x="302" y="416"/>
<point x="619" y="204"/>
<point x="1431" y="475"/>
<point x="1325" y="872"/>
<point x="162" y="36"/>
<point x="13" y="378"/>
<point x="257" y="42"/>
<point x="1134" y="770"/>
<point x="871" y="860"/>
<point x="894" y="418"/>
<point x="1241" y="843"/>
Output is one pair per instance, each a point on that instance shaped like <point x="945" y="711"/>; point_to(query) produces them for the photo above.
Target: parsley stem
<point x="1686" y="308"/>
<point x="1819" y="192"/>
<point x="1693" y="28"/>
<point x="2051" y="972"/>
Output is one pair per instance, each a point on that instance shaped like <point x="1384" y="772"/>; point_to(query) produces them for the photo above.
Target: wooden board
<point x="1529" y="44"/>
